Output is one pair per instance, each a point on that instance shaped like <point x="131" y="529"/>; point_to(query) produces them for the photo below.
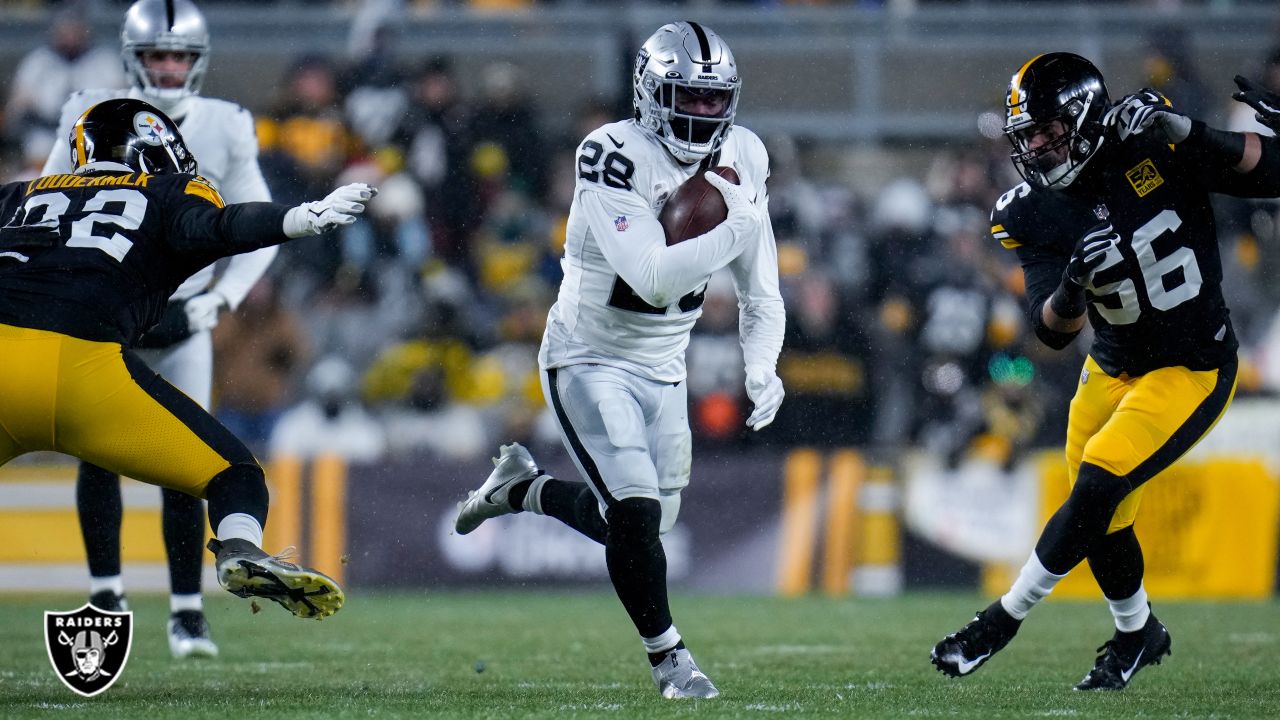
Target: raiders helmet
<point x="133" y="133"/>
<point x="685" y="57"/>
<point x="176" y="25"/>
<point x="1059" y="87"/>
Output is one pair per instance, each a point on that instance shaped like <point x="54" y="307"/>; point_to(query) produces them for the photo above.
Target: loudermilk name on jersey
<point x="598" y="317"/>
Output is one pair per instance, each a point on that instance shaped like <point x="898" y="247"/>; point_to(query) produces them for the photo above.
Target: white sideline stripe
<point x="75" y="577"/>
<point x="61" y="495"/>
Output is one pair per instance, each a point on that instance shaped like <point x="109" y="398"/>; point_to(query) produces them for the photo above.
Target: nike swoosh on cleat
<point x="614" y="139"/>
<point x="966" y="666"/>
<point x="313" y="212"/>
<point x="1126" y="674"/>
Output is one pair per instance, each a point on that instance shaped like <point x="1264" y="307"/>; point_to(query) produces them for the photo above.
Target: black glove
<point x="1090" y="253"/>
<point x="172" y="329"/>
<point x="1265" y="104"/>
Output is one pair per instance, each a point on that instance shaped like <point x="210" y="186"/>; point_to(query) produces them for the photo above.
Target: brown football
<point x="696" y="207"/>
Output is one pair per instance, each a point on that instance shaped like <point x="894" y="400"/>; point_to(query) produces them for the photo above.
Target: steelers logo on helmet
<point x="150" y="128"/>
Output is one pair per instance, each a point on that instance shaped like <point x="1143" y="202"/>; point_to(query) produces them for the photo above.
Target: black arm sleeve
<point x="1042" y="272"/>
<point x="201" y="228"/>
<point x="1215" y="153"/>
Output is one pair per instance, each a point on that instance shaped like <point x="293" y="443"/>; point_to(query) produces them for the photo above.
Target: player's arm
<point x="203" y="226"/>
<point x="761" y="321"/>
<point x="1243" y="164"/>
<point x="637" y="250"/>
<point x="243" y="183"/>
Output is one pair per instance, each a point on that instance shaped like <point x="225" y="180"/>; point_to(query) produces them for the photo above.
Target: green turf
<point x="549" y="655"/>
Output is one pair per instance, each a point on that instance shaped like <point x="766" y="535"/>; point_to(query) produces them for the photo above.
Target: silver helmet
<point x="176" y="25"/>
<point x="685" y="60"/>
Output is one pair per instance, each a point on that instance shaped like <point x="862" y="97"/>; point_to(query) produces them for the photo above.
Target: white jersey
<point x="221" y="136"/>
<point x="629" y="301"/>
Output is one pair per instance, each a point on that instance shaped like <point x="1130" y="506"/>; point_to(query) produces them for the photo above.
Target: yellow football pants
<point x="101" y="404"/>
<point x="1135" y="427"/>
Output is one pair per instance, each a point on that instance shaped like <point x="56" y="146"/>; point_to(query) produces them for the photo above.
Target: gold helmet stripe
<point x="81" y="156"/>
<point x="1015" y="87"/>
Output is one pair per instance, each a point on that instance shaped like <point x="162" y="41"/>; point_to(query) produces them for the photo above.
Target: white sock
<point x="1034" y="584"/>
<point x="242" y="526"/>
<point x="534" y="497"/>
<point x="663" y="642"/>
<point x="178" y="603"/>
<point x="1131" y="614"/>
<point x="114" y="583"/>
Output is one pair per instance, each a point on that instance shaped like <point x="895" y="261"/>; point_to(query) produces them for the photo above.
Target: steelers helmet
<point x="133" y="133"/>
<point x="175" y="25"/>
<point x="685" y="58"/>
<point x="1060" y="99"/>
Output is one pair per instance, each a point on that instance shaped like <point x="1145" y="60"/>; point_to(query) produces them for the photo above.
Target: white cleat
<point x="514" y="465"/>
<point x="678" y="677"/>
<point x="189" y="636"/>
<point x="245" y="570"/>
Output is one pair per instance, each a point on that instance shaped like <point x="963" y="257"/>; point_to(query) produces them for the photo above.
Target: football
<point x="696" y="207"/>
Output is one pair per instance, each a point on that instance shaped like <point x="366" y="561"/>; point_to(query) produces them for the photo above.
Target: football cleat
<point x="189" y="635"/>
<point x="109" y="601"/>
<point x="1125" y="654"/>
<point x="514" y="465"/>
<point x="678" y="677"/>
<point x="245" y="570"/>
<point x="970" y="647"/>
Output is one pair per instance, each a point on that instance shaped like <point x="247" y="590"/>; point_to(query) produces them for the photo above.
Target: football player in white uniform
<point x="165" y="47"/>
<point x="613" y="353"/>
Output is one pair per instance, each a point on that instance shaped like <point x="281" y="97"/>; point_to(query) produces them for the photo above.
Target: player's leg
<point x="188" y="365"/>
<point x="100" y="511"/>
<point x="1171" y="410"/>
<point x="116" y="412"/>
<point x="964" y="651"/>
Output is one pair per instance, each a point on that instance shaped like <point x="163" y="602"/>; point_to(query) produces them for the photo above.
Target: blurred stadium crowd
<point x="419" y="329"/>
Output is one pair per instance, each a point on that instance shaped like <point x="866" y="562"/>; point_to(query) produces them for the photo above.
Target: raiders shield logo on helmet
<point x="88" y="647"/>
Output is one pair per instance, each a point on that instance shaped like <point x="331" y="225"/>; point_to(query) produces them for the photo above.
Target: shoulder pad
<point x="202" y="188"/>
<point x="1004" y="216"/>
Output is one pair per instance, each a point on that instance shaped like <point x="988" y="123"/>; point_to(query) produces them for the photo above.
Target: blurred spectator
<point x="1169" y="68"/>
<point x="505" y="118"/>
<point x="330" y="419"/>
<point x="260" y="348"/>
<point x="375" y="97"/>
<point x="395" y="237"/>
<point x="823" y="367"/>
<point x="307" y="129"/>
<point x="49" y="74"/>
<point x="435" y="137"/>
<point x="714" y="360"/>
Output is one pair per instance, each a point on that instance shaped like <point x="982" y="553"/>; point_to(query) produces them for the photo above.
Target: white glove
<point x="340" y="207"/>
<point x="764" y="387"/>
<point x="744" y="212"/>
<point x="1145" y="109"/>
<point x="203" y="310"/>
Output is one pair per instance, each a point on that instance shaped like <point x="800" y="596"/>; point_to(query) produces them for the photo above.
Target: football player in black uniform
<point x="87" y="263"/>
<point x="1113" y="221"/>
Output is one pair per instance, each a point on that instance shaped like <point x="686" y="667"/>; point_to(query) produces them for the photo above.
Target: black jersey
<point x="1156" y="301"/>
<point x="96" y="256"/>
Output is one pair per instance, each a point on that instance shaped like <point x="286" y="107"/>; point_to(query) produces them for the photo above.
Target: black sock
<point x="655" y="659"/>
<point x="573" y="504"/>
<point x="638" y="564"/>
<point x="1117" y="564"/>
<point x="516" y="496"/>
<point x="100" y="509"/>
<point x="183" y="523"/>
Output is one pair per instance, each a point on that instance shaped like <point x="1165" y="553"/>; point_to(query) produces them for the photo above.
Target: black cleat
<point x="967" y="649"/>
<point x="189" y="635"/>
<point x="246" y="570"/>
<point x="109" y="601"/>
<point x="1125" y="654"/>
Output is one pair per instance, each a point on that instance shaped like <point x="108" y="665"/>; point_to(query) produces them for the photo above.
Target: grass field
<point x="547" y="655"/>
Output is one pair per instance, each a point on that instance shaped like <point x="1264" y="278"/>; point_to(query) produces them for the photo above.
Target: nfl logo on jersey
<point x="620" y="223"/>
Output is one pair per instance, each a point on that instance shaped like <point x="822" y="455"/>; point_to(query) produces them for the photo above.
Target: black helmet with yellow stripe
<point x="1053" y="117"/>
<point x="132" y="133"/>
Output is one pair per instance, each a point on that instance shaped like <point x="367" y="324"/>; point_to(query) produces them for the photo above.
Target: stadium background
<point x="918" y="446"/>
